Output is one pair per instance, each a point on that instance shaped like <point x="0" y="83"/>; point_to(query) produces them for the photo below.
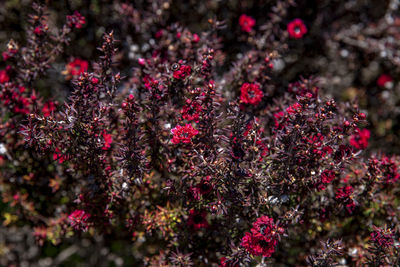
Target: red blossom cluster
<point x="48" y="108"/>
<point x="183" y="134"/>
<point x="250" y="93"/>
<point x="14" y="97"/>
<point x="59" y="156"/>
<point x="177" y="155"/>
<point x="327" y="177"/>
<point x="183" y="72"/>
<point x="79" y="220"/>
<point x="76" y="67"/>
<point x="263" y="237"/>
<point x="359" y="140"/>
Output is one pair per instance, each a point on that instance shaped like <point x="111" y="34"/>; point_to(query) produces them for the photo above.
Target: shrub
<point x="178" y="154"/>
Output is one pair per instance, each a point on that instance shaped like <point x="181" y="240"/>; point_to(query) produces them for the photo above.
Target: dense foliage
<point x="200" y="133"/>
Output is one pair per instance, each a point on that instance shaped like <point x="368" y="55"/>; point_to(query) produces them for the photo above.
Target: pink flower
<point x="251" y="93"/>
<point x="293" y="109"/>
<point x="327" y="176"/>
<point x="246" y="23"/>
<point x="77" y="67"/>
<point x="59" y="156"/>
<point x="344" y="192"/>
<point x="359" y="139"/>
<point x="78" y="219"/>
<point x="263" y="237"/>
<point x="183" y="134"/>
<point x="182" y="72"/>
<point x="296" y="29"/>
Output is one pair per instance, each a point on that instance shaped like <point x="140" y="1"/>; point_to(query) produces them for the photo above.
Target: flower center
<point x="251" y="94"/>
<point x="262" y="229"/>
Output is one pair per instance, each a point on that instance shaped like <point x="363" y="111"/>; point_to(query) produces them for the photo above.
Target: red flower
<point x="76" y="20"/>
<point x="296" y="29"/>
<point x="205" y="186"/>
<point x="293" y="109"/>
<point x="182" y="72"/>
<point x="77" y="67"/>
<point x="197" y="219"/>
<point x="251" y="93"/>
<point x="107" y="140"/>
<point x="344" y="192"/>
<point x="263" y="237"/>
<point x="48" y="108"/>
<point x="183" y="134"/>
<point x="327" y="176"/>
<point x="385" y="81"/>
<point x="78" y="219"/>
<point x="191" y="111"/>
<point x="59" y="156"/>
<point x="150" y="83"/>
<point x="359" y="139"/>
<point x="4" y="76"/>
<point x="246" y="23"/>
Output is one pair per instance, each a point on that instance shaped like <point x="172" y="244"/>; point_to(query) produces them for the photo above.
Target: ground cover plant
<point x="188" y="133"/>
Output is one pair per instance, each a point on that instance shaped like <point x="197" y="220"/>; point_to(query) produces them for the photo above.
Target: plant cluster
<point x="184" y="159"/>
